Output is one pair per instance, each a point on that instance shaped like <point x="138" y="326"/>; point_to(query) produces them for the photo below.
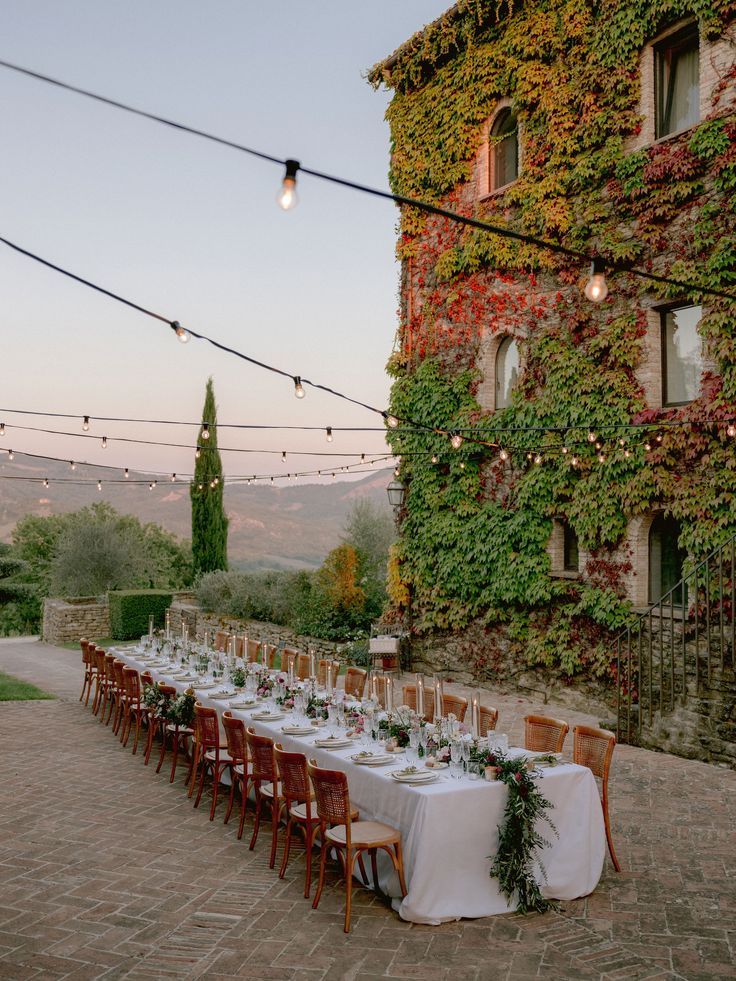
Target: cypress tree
<point x="209" y="522"/>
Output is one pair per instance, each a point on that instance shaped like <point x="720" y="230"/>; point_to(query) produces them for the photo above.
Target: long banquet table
<point x="449" y="829"/>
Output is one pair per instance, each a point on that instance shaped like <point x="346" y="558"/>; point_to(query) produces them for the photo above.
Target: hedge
<point x="131" y="608"/>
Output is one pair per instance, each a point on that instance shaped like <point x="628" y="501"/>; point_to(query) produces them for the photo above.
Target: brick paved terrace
<point x="106" y="871"/>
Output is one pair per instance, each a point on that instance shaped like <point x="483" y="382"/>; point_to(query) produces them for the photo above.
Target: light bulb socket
<point x="181" y="332"/>
<point x="329" y="434"/>
<point x="85" y="423"/>
<point x="298" y="387"/>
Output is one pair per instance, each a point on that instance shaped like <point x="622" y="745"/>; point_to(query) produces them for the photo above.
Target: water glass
<point x="414" y="735"/>
<point x="465" y="747"/>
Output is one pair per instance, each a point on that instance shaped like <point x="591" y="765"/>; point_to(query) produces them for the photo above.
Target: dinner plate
<point x="420" y="776"/>
<point x="269" y="716"/>
<point x="245" y="703"/>
<point x="339" y="743"/>
<point x="441" y="765"/>
<point x="297" y="730"/>
<point x="371" y="759"/>
<point x="205" y="685"/>
<point x="222" y="694"/>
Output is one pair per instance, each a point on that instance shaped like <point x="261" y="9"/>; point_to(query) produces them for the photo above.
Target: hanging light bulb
<point x="180" y="331"/>
<point x="391" y="421"/>
<point x="622" y="442"/>
<point x="596" y="289"/>
<point x="462" y="464"/>
<point x="574" y="461"/>
<point x="658" y="437"/>
<point x="85" y="424"/>
<point x="329" y="434"/>
<point x="2" y="428"/>
<point x="153" y="483"/>
<point x="197" y="453"/>
<point x="396" y="471"/>
<point x="173" y="478"/>
<point x="647" y="446"/>
<point x="215" y="481"/>
<point x="565" y="451"/>
<point x="503" y="455"/>
<point x="45" y="481"/>
<point x="592" y="437"/>
<point x="298" y="387"/>
<point x="627" y="453"/>
<point x="538" y="459"/>
<point x="212" y="485"/>
<point x="287" y="197"/>
<point x="362" y="457"/>
<point x="333" y="474"/>
<point x="434" y="458"/>
<point x="99" y="485"/>
<point x="528" y="456"/>
<point x="104" y="442"/>
<point x="601" y="458"/>
<point x="271" y="479"/>
<point x="599" y="446"/>
<point x="456" y="441"/>
<point x="283" y="457"/>
<point x="125" y="473"/>
<point x="10" y="454"/>
<point x="200" y="486"/>
<point x="205" y="430"/>
<point x="730" y="430"/>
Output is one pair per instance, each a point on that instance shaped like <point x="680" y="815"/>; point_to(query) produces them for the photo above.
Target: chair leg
<point x="243" y="804"/>
<point x="89" y="692"/>
<point x="216" y="774"/>
<point x="363" y="872"/>
<point x="175" y="757"/>
<point x="399" y="863"/>
<point x="349" y="862"/>
<point x="275" y="815"/>
<point x="85" y="682"/>
<point x="202" y="775"/>
<point x="374" y="869"/>
<point x="287" y="847"/>
<point x="137" y="731"/>
<point x="150" y="736"/>
<point x="607" y="823"/>
<point x="321" y="879"/>
<point x="162" y="751"/>
<point x="192" y="776"/>
<point x="256" y="820"/>
<point x="230" y="799"/>
<point x="308" y="844"/>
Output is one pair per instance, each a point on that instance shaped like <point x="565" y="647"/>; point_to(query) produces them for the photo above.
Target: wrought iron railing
<point x="670" y="653"/>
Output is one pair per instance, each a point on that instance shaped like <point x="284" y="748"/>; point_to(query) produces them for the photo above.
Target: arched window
<point x="504" y="150"/>
<point x="665" y="559"/>
<point x="507" y="371"/>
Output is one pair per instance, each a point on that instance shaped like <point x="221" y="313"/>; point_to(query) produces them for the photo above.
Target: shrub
<point x="131" y="608"/>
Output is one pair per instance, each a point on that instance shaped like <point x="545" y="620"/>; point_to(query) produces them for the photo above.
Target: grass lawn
<point x="105" y="642"/>
<point x="14" y="690"/>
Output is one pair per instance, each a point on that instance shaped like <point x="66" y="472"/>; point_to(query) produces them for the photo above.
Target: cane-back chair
<point x="456" y="705"/>
<point x="543" y="734"/>
<point x="350" y="838"/>
<point x="594" y="748"/>
<point x="211" y="756"/>
<point x="266" y="785"/>
<point x="355" y="682"/>
<point x="410" y="699"/>
<point x="240" y="772"/>
<point x="488" y="719"/>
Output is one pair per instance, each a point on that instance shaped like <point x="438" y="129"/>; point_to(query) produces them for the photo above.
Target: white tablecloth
<point x="449" y="829"/>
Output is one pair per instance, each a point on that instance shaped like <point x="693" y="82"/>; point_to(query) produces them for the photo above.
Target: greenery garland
<point x="519" y="840"/>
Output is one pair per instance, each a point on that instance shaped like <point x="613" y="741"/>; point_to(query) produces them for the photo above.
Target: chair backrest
<point x="355" y="681"/>
<point x="593" y="748"/>
<point x="295" y="786"/>
<point x="117" y="671"/>
<point x="235" y="736"/>
<point x="543" y="734"/>
<point x="288" y="654"/>
<point x="331" y="796"/>
<point x="488" y="719"/>
<point x="381" y="688"/>
<point x="131" y="684"/>
<point x="100" y="660"/>
<point x="146" y="678"/>
<point x="221" y="638"/>
<point x="253" y="649"/>
<point x="322" y="666"/>
<point x="263" y="761"/>
<point x="84" y="644"/>
<point x="455" y="704"/>
<point x="109" y="660"/>
<point x="271" y="651"/>
<point x="410" y="699"/>
<point x="208" y="729"/>
<point x="239" y="646"/>
<point x="302" y="666"/>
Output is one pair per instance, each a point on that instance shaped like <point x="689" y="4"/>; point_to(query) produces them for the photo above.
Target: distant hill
<point x="271" y="527"/>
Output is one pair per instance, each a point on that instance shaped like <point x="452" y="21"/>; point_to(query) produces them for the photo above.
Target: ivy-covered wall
<point x="473" y="547"/>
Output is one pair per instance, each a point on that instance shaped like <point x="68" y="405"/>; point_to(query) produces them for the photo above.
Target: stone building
<point x="594" y="456"/>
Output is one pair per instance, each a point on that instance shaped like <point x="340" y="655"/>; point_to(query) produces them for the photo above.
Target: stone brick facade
<point x="67" y="620"/>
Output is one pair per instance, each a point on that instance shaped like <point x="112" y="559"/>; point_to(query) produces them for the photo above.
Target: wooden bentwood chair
<point x="350" y="838"/>
<point x="594" y="748"/>
<point x="543" y="734"/>
<point x="266" y="786"/>
<point x="355" y="682"/>
<point x="90" y="669"/>
<point x="410" y="699"/>
<point x="488" y="719"/>
<point x="455" y="704"/>
<point x="133" y="709"/>
<point x="210" y="756"/>
<point x="239" y="771"/>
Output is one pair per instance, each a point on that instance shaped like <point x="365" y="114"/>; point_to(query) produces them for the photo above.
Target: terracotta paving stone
<point x="107" y="871"/>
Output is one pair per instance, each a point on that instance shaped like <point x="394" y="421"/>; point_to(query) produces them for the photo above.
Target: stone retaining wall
<point x="67" y="620"/>
<point x="198" y="621"/>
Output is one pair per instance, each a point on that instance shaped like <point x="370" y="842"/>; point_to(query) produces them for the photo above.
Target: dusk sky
<point x="191" y="229"/>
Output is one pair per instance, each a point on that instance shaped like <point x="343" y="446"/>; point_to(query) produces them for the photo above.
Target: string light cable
<point x="596" y="288"/>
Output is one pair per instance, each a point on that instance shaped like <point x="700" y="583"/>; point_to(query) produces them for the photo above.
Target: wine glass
<point x="423" y="734"/>
<point x="465" y="747"/>
<point x="414" y="741"/>
<point x="332" y="717"/>
<point x="456" y="757"/>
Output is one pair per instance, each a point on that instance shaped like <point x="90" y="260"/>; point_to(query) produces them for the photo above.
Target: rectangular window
<point x="677" y="82"/>
<point x="682" y="354"/>
<point x="570" y="559"/>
